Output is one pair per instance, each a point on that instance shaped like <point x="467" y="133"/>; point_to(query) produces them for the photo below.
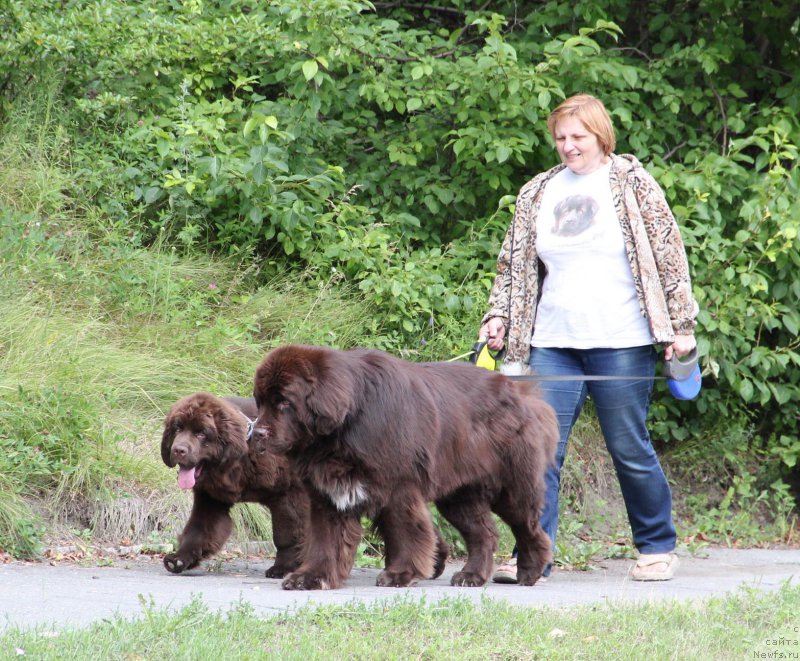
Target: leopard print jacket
<point x="652" y="241"/>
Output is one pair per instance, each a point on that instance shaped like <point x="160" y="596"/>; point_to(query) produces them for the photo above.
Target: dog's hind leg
<point x="288" y="517"/>
<point x="533" y="545"/>
<point x="468" y="510"/>
<point x="442" y="553"/>
<point x="413" y="546"/>
<point x="521" y="501"/>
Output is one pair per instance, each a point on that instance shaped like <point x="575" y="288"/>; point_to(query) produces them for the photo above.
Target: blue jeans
<point x="622" y="412"/>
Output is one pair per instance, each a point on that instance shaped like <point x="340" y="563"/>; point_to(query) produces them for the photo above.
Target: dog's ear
<point x="230" y="429"/>
<point x="331" y="397"/>
<point x="166" y="440"/>
<point x="327" y="411"/>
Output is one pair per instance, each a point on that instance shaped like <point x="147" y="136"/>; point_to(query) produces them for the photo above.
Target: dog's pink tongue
<point x="185" y="477"/>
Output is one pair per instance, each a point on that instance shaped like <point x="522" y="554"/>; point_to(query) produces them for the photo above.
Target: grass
<point x="741" y="625"/>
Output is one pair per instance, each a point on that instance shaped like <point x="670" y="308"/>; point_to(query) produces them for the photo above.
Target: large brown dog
<point x="207" y="437"/>
<point x="378" y="436"/>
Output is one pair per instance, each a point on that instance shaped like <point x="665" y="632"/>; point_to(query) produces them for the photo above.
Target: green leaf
<point x="249" y="125"/>
<point x="432" y="203"/>
<point x="544" y="99"/>
<point x="631" y="76"/>
<point x="506" y="200"/>
<point x="502" y="154"/>
<point x="746" y="389"/>
<point x="151" y="194"/>
<point x="259" y="173"/>
<point x="255" y="216"/>
<point x="310" y="68"/>
<point x="572" y="42"/>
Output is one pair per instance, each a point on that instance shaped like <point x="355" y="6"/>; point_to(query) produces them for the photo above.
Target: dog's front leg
<point x="205" y="533"/>
<point x="413" y="546"/>
<point x="330" y="550"/>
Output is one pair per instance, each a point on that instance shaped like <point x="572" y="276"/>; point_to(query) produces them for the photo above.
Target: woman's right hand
<point x="494" y="331"/>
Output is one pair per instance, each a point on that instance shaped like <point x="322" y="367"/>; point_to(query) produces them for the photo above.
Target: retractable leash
<point x="682" y="375"/>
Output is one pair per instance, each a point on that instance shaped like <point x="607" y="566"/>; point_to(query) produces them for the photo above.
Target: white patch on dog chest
<point x="346" y="495"/>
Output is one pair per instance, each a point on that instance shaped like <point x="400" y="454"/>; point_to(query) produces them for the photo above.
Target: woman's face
<point x="578" y="147"/>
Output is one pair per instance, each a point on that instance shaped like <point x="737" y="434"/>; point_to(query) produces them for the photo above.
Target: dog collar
<point x="250" y="425"/>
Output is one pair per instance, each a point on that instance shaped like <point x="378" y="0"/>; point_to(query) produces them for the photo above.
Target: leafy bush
<point x="741" y="218"/>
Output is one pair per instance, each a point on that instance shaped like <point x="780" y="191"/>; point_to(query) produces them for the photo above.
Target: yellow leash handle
<point x="483" y="356"/>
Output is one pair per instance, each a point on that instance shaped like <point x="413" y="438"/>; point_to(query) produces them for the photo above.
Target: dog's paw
<point x="464" y="579"/>
<point x="174" y="564"/>
<point x="308" y="581"/>
<point x="394" y="579"/>
<point x="527" y="577"/>
<point x="442" y="552"/>
<point x="276" y="571"/>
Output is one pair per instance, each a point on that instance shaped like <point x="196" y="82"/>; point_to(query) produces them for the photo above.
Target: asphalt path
<point x="66" y="595"/>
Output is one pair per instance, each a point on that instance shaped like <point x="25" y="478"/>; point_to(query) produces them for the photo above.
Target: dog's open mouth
<point x="187" y="476"/>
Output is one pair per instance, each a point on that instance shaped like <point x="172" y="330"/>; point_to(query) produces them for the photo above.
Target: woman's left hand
<point x="682" y="345"/>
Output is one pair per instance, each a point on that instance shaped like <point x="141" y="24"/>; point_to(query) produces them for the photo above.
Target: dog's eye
<point x="283" y="405"/>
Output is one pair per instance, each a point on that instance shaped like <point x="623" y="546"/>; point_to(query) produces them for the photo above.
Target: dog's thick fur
<point x="207" y="438"/>
<point x="374" y="435"/>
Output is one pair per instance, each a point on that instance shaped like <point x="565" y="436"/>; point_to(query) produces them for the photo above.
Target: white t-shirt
<point x="588" y="296"/>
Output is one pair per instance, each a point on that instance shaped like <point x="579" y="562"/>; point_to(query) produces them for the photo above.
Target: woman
<point x="591" y="277"/>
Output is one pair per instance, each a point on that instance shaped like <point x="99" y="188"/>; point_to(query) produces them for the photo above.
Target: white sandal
<point x="655" y="567"/>
<point x="507" y="572"/>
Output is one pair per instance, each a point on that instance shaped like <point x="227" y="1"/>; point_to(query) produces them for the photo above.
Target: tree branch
<point x="672" y="151"/>
<point x="452" y="11"/>
<point x="639" y="52"/>
<point x="724" y="120"/>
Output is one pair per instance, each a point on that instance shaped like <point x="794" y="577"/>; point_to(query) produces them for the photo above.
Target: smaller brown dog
<point x="208" y="438"/>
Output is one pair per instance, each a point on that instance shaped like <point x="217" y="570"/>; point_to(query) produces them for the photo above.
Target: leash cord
<point x="580" y="377"/>
<point x="471" y="352"/>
